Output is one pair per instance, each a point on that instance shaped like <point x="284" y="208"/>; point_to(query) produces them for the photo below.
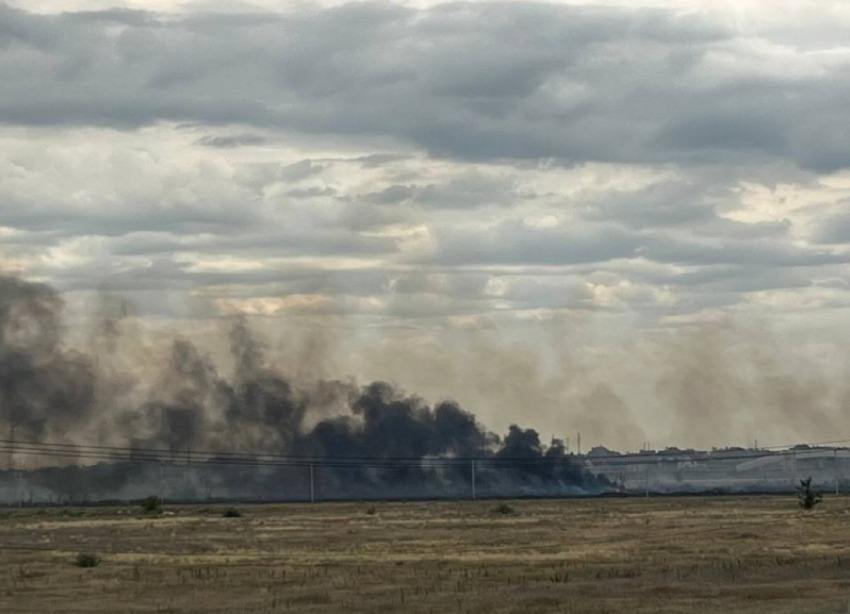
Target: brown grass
<point x="686" y="555"/>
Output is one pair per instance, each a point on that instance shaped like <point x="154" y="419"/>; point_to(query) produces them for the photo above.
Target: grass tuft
<point x="504" y="509"/>
<point x="87" y="559"/>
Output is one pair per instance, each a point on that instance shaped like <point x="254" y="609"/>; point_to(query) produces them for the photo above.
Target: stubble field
<point x="688" y="555"/>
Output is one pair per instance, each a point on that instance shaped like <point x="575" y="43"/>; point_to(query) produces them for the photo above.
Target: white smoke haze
<point x="701" y="385"/>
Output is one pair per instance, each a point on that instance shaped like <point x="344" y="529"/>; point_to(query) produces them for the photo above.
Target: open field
<point x="683" y="555"/>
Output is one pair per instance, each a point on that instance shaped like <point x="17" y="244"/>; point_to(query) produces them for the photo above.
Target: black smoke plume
<point x="381" y="443"/>
<point x="45" y="389"/>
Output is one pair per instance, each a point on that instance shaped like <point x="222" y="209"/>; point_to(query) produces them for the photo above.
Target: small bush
<point x="152" y="505"/>
<point x="371" y="511"/>
<point x="87" y="559"/>
<point x="504" y="509"/>
<point x="806" y="496"/>
<point x="232" y="512"/>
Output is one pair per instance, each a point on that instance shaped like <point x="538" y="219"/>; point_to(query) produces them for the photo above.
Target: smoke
<point x="712" y="384"/>
<point x="45" y="389"/>
<point x="248" y="390"/>
<point x="719" y="381"/>
<point x="49" y="393"/>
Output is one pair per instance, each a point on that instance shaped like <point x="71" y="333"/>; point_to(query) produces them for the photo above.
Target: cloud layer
<point x="483" y="81"/>
<point x="434" y="167"/>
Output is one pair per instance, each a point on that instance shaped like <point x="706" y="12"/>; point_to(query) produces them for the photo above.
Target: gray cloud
<point x="393" y="194"/>
<point x="526" y="157"/>
<point x="64" y="220"/>
<point x="299" y="170"/>
<point x="764" y="252"/>
<point x="467" y="191"/>
<point x="512" y="242"/>
<point x="475" y="81"/>
<point x="231" y="141"/>
<point x="834" y="227"/>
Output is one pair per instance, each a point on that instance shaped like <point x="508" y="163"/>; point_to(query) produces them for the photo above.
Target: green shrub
<point x="87" y="559"/>
<point x="232" y="512"/>
<point x="806" y="496"/>
<point x="152" y="505"/>
<point x="371" y="511"/>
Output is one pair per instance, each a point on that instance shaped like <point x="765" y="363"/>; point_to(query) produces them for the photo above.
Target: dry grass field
<point x="688" y="555"/>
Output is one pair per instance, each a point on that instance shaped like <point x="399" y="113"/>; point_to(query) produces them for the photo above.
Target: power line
<point x="209" y="457"/>
<point x="314" y="458"/>
<point x="161" y="455"/>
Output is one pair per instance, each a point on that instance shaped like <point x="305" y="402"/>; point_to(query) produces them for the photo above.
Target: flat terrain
<point x="620" y="555"/>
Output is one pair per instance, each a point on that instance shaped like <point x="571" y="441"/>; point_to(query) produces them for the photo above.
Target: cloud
<point x="421" y="161"/>
<point x="410" y="238"/>
<point x="834" y="227"/>
<point x="468" y="190"/>
<point x="765" y="252"/>
<point x="514" y="242"/>
<point x="481" y="81"/>
<point x="230" y="141"/>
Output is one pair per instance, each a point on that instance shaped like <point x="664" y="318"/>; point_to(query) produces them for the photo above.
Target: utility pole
<point x="12" y="447"/>
<point x="835" y="468"/>
<point x="312" y="486"/>
<point x="472" y="475"/>
<point x="578" y="443"/>
<point x="16" y="475"/>
<point x="793" y="469"/>
<point x="646" y="485"/>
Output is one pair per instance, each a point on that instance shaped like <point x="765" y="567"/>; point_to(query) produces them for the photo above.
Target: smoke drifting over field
<point x="49" y="393"/>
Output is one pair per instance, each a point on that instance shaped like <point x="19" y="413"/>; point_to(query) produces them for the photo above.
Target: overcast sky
<point x="436" y="167"/>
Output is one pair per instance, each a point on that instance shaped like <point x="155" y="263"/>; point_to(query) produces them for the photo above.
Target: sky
<point x="627" y="218"/>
